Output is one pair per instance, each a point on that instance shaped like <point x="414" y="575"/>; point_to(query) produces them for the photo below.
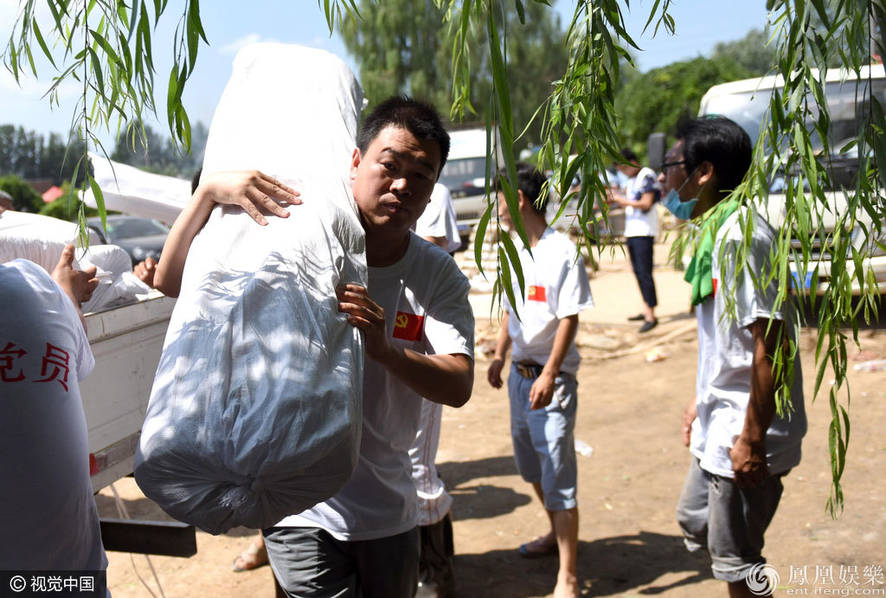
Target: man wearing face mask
<point x="741" y="448"/>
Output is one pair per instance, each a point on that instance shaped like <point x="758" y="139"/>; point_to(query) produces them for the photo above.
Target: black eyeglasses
<point x="666" y="165"/>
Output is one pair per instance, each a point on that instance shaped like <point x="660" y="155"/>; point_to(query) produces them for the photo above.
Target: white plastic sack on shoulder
<point x="256" y="408"/>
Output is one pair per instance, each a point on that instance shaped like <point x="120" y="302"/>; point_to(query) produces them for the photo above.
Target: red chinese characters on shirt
<point x="55" y="366"/>
<point x="8" y="355"/>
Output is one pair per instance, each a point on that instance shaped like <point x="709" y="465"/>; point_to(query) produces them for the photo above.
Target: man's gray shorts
<point x="714" y="513"/>
<point x="544" y="442"/>
<point x="309" y="563"/>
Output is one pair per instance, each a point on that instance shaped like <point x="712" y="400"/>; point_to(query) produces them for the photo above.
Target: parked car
<point x="141" y="238"/>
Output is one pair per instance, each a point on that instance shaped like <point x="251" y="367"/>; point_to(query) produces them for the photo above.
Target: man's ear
<point x="705" y="173"/>
<point x="355" y="162"/>
<point x="521" y="198"/>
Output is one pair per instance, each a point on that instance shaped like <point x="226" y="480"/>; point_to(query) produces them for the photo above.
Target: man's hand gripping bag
<point x="256" y="408"/>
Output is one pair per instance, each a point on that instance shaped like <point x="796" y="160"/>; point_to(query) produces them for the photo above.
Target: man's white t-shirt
<point x="725" y="356"/>
<point x="425" y="298"/>
<point x="637" y="222"/>
<point x="47" y="511"/>
<point x="433" y="499"/>
<point x="438" y="219"/>
<point x="556" y="285"/>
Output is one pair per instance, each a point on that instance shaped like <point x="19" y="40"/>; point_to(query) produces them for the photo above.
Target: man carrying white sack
<point x="418" y="328"/>
<point x="256" y="407"/>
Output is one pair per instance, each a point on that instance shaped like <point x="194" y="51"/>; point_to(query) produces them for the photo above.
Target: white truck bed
<point x="126" y="342"/>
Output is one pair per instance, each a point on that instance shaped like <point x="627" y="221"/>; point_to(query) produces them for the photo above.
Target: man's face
<point x="504" y="215"/>
<point x="674" y="175"/>
<point x="627" y="169"/>
<point x="392" y="181"/>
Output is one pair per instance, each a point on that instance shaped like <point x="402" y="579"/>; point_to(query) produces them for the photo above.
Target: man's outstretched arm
<point x="78" y="285"/>
<point x="255" y="192"/>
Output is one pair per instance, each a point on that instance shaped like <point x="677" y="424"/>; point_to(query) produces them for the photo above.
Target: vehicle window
<point x="134" y="227"/>
<point x="464" y="173"/>
<point x="844" y="103"/>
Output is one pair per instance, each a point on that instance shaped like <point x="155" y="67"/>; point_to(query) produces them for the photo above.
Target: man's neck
<point x="383" y="250"/>
<point x="708" y="197"/>
<point x="535" y="226"/>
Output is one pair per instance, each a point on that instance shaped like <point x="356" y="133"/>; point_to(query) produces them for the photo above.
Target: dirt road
<point x="629" y="412"/>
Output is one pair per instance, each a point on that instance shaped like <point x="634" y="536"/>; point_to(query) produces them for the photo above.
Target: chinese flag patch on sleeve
<point x="408" y="326"/>
<point x="536" y="293"/>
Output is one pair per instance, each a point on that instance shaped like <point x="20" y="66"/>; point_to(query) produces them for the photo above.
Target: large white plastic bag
<point x="41" y="240"/>
<point x="256" y="408"/>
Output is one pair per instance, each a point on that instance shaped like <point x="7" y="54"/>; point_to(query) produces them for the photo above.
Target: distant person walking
<point x="641" y="226"/>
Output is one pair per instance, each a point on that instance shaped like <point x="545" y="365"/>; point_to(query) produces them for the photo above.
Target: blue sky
<point x="230" y="24"/>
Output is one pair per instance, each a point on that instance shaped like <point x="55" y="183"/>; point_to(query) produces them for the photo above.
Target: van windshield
<point x="845" y="103"/>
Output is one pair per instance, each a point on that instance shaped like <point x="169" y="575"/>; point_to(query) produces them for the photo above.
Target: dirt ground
<point x="629" y="414"/>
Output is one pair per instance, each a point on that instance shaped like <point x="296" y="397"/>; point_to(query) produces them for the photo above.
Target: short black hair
<point x="629" y="155"/>
<point x="195" y="180"/>
<point x="529" y="181"/>
<point x="417" y="117"/>
<point x="720" y="141"/>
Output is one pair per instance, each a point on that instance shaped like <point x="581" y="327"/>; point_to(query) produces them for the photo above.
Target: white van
<point x="747" y="101"/>
<point x="465" y="175"/>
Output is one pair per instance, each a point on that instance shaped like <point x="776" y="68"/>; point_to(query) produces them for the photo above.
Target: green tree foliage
<point x="144" y="148"/>
<point x="753" y="52"/>
<point x="401" y="47"/>
<point x="67" y="206"/>
<point x="24" y="197"/>
<point x="655" y="100"/>
<point x="31" y="156"/>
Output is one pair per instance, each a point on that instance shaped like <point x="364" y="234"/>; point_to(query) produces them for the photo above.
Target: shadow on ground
<point x="481" y="501"/>
<point x="607" y="567"/>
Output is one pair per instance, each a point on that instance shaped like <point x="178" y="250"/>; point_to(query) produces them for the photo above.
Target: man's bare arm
<point x="749" y="452"/>
<point x="255" y="192"/>
<point x="644" y="203"/>
<point x="542" y="390"/>
<point x="78" y="285"/>
<point x="502" y="345"/>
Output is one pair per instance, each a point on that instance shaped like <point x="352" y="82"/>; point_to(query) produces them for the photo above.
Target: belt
<point x="528" y="369"/>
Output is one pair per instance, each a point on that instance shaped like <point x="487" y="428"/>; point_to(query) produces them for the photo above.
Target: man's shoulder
<point x="645" y="173"/>
<point x="26" y="274"/>
<point x="733" y="227"/>
<point x="432" y="264"/>
<point x="558" y="244"/>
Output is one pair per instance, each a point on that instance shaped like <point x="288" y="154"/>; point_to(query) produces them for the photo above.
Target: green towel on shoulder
<point x="699" y="273"/>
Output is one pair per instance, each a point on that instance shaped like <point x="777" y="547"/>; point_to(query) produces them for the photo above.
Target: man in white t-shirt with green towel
<point x="741" y="448"/>
<point x="542" y="387"/>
